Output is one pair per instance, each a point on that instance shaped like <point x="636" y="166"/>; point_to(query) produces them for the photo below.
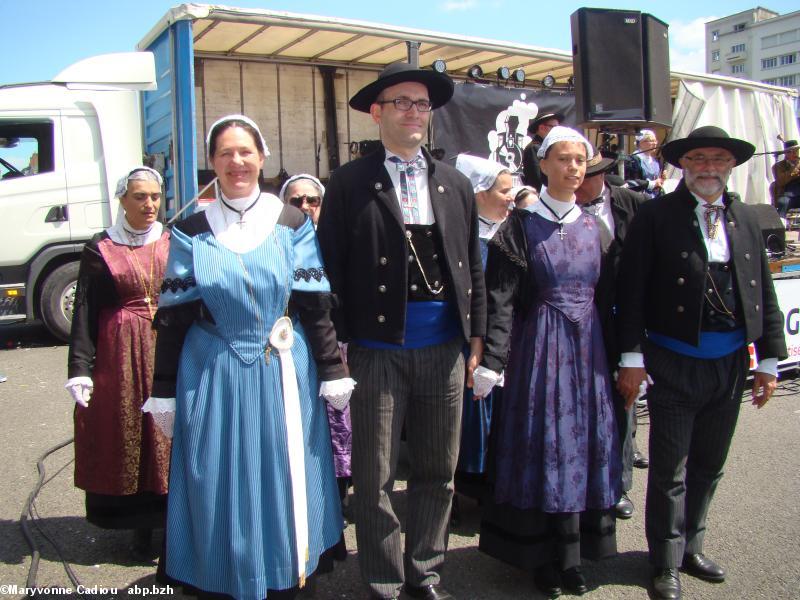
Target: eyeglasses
<point x="405" y="104"/>
<point x="310" y="200"/>
<point x="717" y="161"/>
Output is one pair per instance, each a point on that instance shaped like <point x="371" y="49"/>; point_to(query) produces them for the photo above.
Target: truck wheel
<point x="58" y="299"/>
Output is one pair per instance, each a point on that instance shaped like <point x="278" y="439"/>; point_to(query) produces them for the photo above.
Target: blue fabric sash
<point x="427" y="324"/>
<point x="713" y="344"/>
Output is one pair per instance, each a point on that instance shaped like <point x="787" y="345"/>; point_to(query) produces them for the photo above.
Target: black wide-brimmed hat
<point x="789" y="145"/>
<point x="707" y="137"/>
<point x="542" y="118"/>
<point x="599" y="164"/>
<point x="440" y="86"/>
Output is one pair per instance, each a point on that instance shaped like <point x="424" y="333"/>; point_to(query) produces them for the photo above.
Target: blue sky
<point x="40" y="37"/>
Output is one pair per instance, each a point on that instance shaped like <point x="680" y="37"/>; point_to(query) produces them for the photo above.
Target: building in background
<point x="757" y="44"/>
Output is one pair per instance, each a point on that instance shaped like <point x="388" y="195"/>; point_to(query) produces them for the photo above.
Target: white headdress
<point x="298" y="177"/>
<point x="482" y="172"/>
<point x="564" y="134"/>
<point x="137" y="174"/>
<point x="242" y="118"/>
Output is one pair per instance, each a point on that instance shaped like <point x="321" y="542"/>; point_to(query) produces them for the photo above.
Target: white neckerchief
<point x="121" y="232"/>
<point x="559" y="206"/>
<point x="423" y="196"/>
<point x="487" y="228"/>
<point x="257" y="223"/>
<point x="603" y="210"/>
<point x="717" y="249"/>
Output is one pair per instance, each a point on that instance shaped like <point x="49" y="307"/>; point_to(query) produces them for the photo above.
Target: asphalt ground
<point x="753" y="527"/>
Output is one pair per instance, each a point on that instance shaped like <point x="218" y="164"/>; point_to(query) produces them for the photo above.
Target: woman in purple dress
<point x="555" y="470"/>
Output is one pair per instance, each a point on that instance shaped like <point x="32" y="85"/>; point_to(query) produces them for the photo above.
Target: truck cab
<point x="63" y="144"/>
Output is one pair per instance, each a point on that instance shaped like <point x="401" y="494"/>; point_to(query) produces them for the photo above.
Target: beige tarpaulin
<point x="749" y="114"/>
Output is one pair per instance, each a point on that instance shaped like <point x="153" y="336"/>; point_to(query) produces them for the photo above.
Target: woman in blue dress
<point x="492" y="184"/>
<point x="244" y="334"/>
<point x="555" y="470"/>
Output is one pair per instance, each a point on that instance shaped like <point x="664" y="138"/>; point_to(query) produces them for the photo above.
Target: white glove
<point x="337" y="392"/>
<point x="483" y="380"/>
<point x="643" y="387"/>
<point x="163" y="412"/>
<point x="80" y="388"/>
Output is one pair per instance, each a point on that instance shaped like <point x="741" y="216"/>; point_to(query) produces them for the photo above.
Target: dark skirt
<point x="144" y="510"/>
<point x="530" y="538"/>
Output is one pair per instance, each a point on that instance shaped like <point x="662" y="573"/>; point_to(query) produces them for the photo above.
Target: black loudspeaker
<point x="771" y="228"/>
<point x="620" y="61"/>
<point x="657" y="84"/>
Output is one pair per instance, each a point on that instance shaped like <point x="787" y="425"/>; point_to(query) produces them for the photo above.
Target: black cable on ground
<point x="29" y="513"/>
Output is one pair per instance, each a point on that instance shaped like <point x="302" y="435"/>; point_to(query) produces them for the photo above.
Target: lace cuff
<point x="163" y="412"/>
<point x="337" y="392"/>
<point x="484" y="380"/>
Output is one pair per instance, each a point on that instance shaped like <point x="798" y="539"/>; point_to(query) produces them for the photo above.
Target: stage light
<point x="439" y="66"/>
<point x="548" y="82"/>
<point x="475" y="72"/>
<point x="503" y="73"/>
<point x="518" y="76"/>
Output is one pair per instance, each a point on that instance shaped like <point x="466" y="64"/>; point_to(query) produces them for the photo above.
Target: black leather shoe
<point x="573" y="581"/>
<point x="667" y="584"/>
<point x="624" y="508"/>
<point x="699" y="565"/>
<point x="547" y="580"/>
<point x="640" y="460"/>
<point x="428" y="592"/>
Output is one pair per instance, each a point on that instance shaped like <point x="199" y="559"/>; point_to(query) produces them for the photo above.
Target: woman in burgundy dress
<point x="555" y="469"/>
<point x="121" y="457"/>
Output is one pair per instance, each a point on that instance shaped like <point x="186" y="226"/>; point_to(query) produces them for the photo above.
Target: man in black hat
<point x="399" y="236"/>
<point x="537" y="129"/>
<point x="614" y="208"/>
<point x="695" y="290"/>
<point x="787" y="178"/>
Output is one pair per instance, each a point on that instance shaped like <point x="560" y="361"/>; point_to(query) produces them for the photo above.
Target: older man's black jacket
<point x="663" y="275"/>
<point x="364" y="247"/>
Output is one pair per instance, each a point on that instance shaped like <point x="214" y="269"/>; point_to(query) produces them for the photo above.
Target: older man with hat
<point x="614" y="208"/>
<point x="538" y="130"/>
<point x="399" y="235"/>
<point x="786" y="187"/>
<point x="695" y="290"/>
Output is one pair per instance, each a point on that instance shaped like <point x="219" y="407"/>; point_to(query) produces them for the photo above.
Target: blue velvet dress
<point x="556" y="450"/>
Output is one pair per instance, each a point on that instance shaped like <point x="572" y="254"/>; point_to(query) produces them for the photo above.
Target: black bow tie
<point x="598" y="200"/>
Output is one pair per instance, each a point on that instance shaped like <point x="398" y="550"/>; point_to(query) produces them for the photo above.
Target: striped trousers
<point x="694" y="405"/>
<point x="421" y="388"/>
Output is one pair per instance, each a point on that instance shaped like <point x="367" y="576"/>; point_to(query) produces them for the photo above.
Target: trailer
<point x="294" y="73"/>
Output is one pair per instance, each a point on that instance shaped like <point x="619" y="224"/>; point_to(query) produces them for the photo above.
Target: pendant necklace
<point x="147" y="284"/>
<point x="559" y="220"/>
<point x="240" y="222"/>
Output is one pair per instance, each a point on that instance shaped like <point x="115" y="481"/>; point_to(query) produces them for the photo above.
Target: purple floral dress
<point x="557" y="447"/>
